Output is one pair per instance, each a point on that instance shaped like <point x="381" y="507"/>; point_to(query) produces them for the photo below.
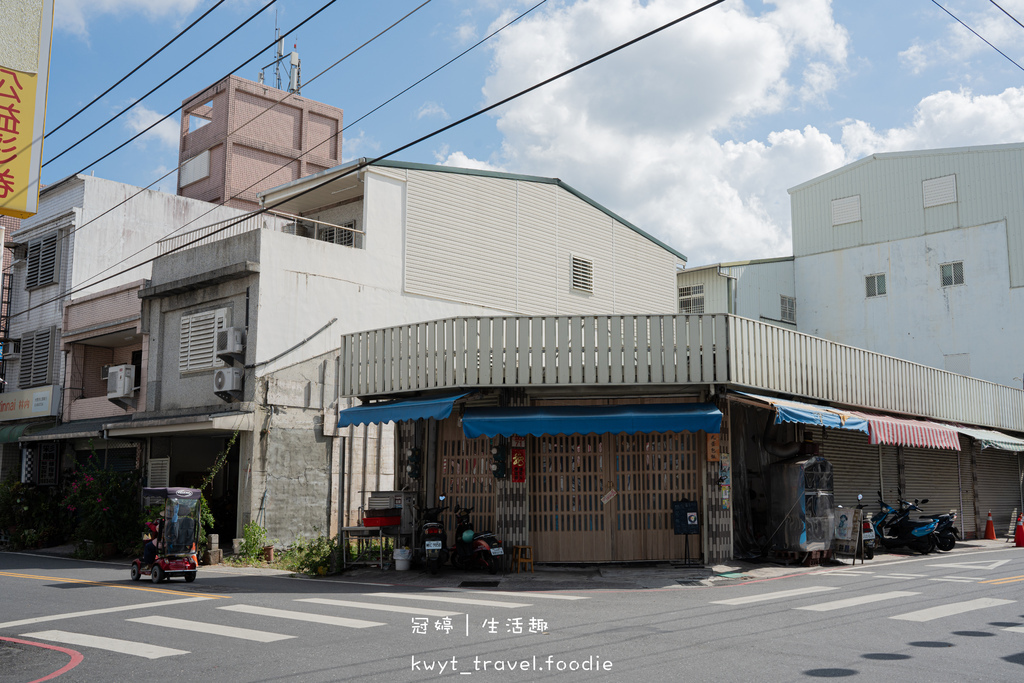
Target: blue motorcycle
<point x="894" y="528"/>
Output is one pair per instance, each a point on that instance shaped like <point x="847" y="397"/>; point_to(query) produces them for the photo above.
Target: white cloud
<point x="915" y="58"/>
<point x="639" y="131"/>
<point x="945" y="119"/>
<point x="359" y="145"/>
<point x="959" y="45"/>
<point x="432" y="109"/>
<point x="460" y="160"/>
<point x="74" y="16"/>
<point x="167" y="133"/>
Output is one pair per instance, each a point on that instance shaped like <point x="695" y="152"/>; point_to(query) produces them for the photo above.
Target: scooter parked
<point x="435" y="550"/>
<point x="474" y="550"/>
<point x="900" y="531"/>
<point x="946" y="533"/>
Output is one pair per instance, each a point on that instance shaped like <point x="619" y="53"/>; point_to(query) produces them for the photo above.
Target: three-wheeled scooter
<point x="176" y="544"/>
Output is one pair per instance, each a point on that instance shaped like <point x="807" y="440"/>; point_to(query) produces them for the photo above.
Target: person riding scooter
<point x="156" y="533"/>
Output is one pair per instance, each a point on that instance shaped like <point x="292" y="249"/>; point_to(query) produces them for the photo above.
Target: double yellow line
<point x="1004" y="580"/>
<point x="58" y="579"/>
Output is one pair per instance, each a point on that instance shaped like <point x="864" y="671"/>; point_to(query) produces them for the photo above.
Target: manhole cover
<point x="479" y="584"/>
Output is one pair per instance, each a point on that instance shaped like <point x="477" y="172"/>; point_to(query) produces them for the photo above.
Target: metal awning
<point x="437" y="407"/>
<point x="896" y="431"/>
<point x="618" y="419"/>
<point x="992" y="439"/>
<point x="807" y="413"/>
<point x="12" y="433"/>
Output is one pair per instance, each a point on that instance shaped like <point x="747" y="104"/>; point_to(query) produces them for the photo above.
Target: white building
<point x="760" y="290"/>
<point x="918" y="255"/>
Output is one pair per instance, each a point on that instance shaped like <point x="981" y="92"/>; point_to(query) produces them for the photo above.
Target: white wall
<point x="918" y="319"/>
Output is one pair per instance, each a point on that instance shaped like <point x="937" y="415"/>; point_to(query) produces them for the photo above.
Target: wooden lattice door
<point x="464" y="477"/>
<point x="638" y="476"/>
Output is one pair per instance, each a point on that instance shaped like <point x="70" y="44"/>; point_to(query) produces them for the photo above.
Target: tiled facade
<point x="254" y="136"/>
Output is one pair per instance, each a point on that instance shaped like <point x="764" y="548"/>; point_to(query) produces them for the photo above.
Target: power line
<point x="1006" y="13"/>
<point x="144" y="63"/>
<point x="368" y="162"/>
<point x="1008" y="58"/>
<point x="162" y="83"/>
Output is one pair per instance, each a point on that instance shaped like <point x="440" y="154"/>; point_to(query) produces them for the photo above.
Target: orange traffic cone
<point x="1018" y="534"/>
<point x="990" y="528"/>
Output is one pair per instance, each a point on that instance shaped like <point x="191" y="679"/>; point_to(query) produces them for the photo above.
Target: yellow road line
<point x="108" y="585"/>
<point x="1005" y="578"/>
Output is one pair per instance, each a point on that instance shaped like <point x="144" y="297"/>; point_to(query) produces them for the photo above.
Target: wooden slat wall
<point x="464" y="477"/>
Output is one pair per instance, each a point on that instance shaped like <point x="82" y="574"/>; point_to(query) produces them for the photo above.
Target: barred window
<point x="691" y="299"/>
<point x="952" y="273"/>
<point x="875" y="285"/>
<point x="788" y="314"/>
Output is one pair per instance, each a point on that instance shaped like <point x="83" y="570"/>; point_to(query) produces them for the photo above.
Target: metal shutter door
<point x="854" y="466"/>
<point x="998" y="488"/>
<point x="933" y="474"/>
<point x="890" y="474"/>
<point x="966" y="522"/>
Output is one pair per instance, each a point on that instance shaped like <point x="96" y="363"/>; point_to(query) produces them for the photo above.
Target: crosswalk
<point x="441" y="604"/>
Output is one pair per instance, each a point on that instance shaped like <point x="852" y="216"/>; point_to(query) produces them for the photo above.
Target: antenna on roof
<point x="294" y="64"/>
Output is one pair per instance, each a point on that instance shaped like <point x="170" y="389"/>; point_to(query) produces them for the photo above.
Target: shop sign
<point x="38" y="402"/>
<point x="518" y="451"/>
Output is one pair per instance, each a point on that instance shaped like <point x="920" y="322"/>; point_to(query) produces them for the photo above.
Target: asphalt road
<point x="950" y="617"/>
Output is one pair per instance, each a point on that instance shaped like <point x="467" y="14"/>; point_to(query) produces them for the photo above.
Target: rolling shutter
<point x="890" y="474"/>
<point x="933" y="474"/>
<point x="999" y="484"/>
<point x="854" y="466"/>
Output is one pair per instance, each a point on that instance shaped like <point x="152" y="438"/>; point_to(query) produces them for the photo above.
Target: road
<point x="953" y="617"/>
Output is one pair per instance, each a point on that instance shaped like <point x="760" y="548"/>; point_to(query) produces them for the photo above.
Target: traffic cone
<point x="990" y="528"/>
<point x="1018" y="535"/>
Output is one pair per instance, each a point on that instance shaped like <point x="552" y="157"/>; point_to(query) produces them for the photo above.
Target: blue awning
<point x="437" y="407"/>
<point x="628" y="419"/>
<point x="806" y="413"/>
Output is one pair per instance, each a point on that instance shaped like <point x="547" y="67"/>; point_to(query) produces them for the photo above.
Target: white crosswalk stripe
<point x="842" y="572"/>
<point x="515" y="594"/>
<point x="212" y="629"/>
<point x="422" y="611"/>
<point x="859" y="600"/>
<point x="301" y="616"/>
<point x="126" y="647"/>
<point x="933" y="613"/>
<point x="437" y="597"/>
<point x="777" y="595"/>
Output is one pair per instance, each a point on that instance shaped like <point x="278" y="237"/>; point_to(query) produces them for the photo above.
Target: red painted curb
<point x="76" y="657"/>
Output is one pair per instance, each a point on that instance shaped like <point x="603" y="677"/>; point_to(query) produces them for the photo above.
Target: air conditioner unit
<point x="227" y="384"/>
<point x="120" y="381"/>
<point x="231" y="345"/>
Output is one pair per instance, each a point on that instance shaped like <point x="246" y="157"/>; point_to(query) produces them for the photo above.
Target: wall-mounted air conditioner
<point x="231" y="345"/>
<point x="227" y="384"/>
<point x="120" y="381"/>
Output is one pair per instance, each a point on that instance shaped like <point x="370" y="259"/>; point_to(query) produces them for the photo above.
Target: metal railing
<point x="637" y="350"/>
<point x="268" y="220"/>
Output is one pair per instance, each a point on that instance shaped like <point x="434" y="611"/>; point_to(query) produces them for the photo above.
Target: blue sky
<point x="693" y="135"/>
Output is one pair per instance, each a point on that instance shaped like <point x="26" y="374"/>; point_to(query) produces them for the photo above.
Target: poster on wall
<point x="518" y="452"/>
<point x="714" y="452"/>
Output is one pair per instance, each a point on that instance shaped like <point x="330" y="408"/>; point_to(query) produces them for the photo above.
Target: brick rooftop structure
<point x="235" y="154"/>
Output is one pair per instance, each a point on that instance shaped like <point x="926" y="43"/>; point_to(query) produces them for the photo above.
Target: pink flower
<point x="71" y="507"/>
<point x="105" y="509"/>
<point x="99" y="499"/>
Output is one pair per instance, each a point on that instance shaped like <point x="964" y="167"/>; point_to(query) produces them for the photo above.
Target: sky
<point x="694" y="135"/>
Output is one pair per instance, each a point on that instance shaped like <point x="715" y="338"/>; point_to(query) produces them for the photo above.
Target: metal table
<point x="366" y="554"/>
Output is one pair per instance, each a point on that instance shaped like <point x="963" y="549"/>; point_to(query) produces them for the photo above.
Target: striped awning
<point x="992" y="439"/>
<point x="896" y="431"/>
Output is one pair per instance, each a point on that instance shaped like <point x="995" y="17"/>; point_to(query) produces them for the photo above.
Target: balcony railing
<point x="659" y="350"/>
<point x="270" y="220"/>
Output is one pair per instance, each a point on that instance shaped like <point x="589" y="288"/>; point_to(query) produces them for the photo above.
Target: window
<point x="46" y="474"/>
<point x="43" y="259"/>
<point x="846" y="210"/>
<point x="582" y="274"/>
<point x="197" y="345"/>
<point x="788" y="314"/>
<point x="36" y="357"/>
<point x="195" y="169"/>
<point x="875" y="285"/>
<point x="137" y="362"/>
<point x="939" y="191"/>
<point x="952" y="273"/>
<point x="691" y="299"/>
<point x="338" y="235"/>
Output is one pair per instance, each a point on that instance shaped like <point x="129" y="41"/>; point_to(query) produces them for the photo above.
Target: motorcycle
<point x="946" y="534"/>
<point x="901" y="531"/>
<point x="435" y="552"/>
<point x="473" y="550"/>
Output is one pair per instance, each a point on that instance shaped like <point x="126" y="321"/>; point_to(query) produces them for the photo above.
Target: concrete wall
<point x="917" y="319"/>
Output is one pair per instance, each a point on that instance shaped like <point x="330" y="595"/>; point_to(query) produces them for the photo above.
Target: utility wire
<point x="1008" y="58"/>
<point x="367" y="162"/>
<point x="300" y="156"/>
<point x="162" y="83"/>
<point x="1006" y="13"/>
<point x="144" y="63"/>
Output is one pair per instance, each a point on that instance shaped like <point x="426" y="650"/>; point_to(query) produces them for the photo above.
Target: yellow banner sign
<point x="24" y="70"/>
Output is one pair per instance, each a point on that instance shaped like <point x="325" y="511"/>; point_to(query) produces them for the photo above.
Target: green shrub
<point x="253" y="542"/>
<point x="312" y="556"/>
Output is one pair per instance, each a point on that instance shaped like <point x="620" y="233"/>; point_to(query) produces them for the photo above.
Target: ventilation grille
<point x="939" y="191"/>
<point x="582" y="274"/>
<point x="846" y="210"/>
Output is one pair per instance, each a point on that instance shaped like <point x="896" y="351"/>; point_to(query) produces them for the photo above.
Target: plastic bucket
<point x="402" y="558"/>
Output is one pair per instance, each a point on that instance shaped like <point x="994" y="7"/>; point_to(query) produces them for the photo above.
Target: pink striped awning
<point x="896" y="431"/>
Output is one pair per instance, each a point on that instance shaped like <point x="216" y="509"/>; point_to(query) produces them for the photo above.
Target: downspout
<point x="731" y="288"/>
